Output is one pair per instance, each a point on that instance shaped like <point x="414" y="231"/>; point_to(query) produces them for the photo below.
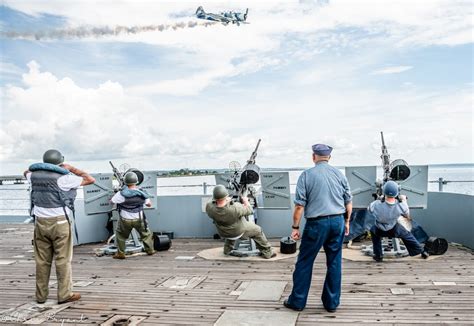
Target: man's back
<point x="322" y="190"/>
<point x="387" y="214"/>
<point x="228" y="218"/>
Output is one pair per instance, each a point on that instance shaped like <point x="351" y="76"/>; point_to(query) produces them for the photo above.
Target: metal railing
<point x="441" y="182"/>
<point x="17" y="180"/>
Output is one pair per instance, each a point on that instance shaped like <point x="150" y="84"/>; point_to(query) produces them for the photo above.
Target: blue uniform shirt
<point x="386" y="215"/>
<point x="322" y="190"/>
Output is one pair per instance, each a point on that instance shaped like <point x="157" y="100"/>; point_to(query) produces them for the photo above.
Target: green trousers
<point x="122" y="232"/>
<point x="53" y="239"/>
<point x="252" y="231"/>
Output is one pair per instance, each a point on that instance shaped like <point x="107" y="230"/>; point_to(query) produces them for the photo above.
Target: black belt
<point x="323" y="217"/>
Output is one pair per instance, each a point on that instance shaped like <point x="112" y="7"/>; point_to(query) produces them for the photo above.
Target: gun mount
<point x="396" y="170"/>
<point x="240" y="183"/>
<point x="241" y="180"/>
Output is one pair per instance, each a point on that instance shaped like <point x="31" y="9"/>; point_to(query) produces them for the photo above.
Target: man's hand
<point x="244" y="201"/>
<point x="347" y="228"/>
<point x="295" y="234"/>
<point x="402" y="197"/>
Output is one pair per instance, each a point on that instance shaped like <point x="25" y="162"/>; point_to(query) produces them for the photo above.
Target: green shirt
<point x="228" y="219"/>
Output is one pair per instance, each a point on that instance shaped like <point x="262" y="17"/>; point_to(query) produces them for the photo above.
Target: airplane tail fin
<point x="200" y="10"/>
<point x="246" y="13"/>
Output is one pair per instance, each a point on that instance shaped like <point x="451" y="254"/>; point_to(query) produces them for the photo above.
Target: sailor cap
<point x="322" y="149"/>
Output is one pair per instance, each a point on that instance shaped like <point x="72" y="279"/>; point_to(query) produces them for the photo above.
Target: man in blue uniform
<point x="130" y="201"/>
<point x="386" y="215"/>
<point x="323" y="194"/>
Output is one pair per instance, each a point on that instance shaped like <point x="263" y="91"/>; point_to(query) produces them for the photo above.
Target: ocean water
<point x="14" y="199"/>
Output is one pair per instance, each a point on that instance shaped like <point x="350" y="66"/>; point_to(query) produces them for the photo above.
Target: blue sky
<point x="300" y="73"/>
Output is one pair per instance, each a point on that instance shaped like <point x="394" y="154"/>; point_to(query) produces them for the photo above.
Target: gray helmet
<point x="130" y="178"/>
<point x="220" y="192"/>
<point x="53" y="156"/>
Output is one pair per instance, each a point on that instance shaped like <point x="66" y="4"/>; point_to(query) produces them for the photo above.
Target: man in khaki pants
<point x="130" y="201"/>
<point x="53" y="191"/>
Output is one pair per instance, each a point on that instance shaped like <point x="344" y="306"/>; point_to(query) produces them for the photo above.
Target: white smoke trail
<point x="97" y="32"/>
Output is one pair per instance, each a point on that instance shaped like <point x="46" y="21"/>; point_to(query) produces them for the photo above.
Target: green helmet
<point x="220" y="192"/>
<point x="130" y="178"/>
<point x="53" y="156"/>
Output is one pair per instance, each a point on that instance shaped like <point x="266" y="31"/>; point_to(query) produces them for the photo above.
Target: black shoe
<point x="330" y="310"/>
<point x="425" y="254"/>
<point x="286" y="304"/>
<point x="377" y="259"/>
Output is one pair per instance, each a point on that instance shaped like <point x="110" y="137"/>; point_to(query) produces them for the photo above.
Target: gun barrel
<point x="252" y="158"/>
<point x="258" y="144"/>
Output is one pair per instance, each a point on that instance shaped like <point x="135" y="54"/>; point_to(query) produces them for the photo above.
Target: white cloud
<point x="95" y="123"/>
<point x="105" y="122"/>
<point x="392" y="70"/>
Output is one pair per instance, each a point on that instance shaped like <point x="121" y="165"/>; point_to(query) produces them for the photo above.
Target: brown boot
<point x="152" y="252"/>
<point x="119" y="255"/>
<point x="273" y="254"/>
<point x="72" y="298"/>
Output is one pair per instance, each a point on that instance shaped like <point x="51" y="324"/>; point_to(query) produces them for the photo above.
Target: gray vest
<point x="46" y="193"/>
<point x="132" y="204"/>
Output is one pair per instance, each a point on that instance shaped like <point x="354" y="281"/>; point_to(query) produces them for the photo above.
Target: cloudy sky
<point x="166" y="93"/>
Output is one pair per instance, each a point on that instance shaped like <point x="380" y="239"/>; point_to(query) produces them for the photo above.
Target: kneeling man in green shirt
<point x="229" y="218"/>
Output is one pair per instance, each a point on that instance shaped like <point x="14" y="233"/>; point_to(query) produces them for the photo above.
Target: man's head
<point x="390" y="189"/>
<point x="53" y="156"/>
<point x="321" y="152"/>
<point x="130" y="179"/>
<point x="220" y="192"/>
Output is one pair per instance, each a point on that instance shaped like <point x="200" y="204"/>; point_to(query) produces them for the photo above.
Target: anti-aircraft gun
<point x="240" y="183"/>
<point x="365" y="187"/>
<point x="397" y="170"/>
<point x="97" y="200"/>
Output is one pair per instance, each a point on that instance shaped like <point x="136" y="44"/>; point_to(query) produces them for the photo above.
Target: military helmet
<point x="390" y="189"/>
<point x="130" y="178"/>
<point x="53" y="156"/>
<point x="220" y="192"/>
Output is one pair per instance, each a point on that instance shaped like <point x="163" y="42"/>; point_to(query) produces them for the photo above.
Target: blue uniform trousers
<point x="327" y="232"/>
<point x="413" y="246"/>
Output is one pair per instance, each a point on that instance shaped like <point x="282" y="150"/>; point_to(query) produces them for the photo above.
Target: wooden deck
<point x="134" y="286"/>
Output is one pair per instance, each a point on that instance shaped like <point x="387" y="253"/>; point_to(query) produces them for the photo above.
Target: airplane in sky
<point x="225" y="17"/>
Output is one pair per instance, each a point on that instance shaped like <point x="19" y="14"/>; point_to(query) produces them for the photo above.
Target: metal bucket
<point x="287" y="245"/>
<point x="436" y="246"/>
<point x="161" y="242"/>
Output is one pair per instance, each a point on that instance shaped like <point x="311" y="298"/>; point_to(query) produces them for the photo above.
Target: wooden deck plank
<point x="132" y="287"/>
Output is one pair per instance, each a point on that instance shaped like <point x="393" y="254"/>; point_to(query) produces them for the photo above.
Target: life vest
<point x="134" y="200"/>
<point x="46" y="193"/>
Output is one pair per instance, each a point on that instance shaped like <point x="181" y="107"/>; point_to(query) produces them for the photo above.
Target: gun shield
<point x="250" y="174"/>
<point x="399" y="170"/>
